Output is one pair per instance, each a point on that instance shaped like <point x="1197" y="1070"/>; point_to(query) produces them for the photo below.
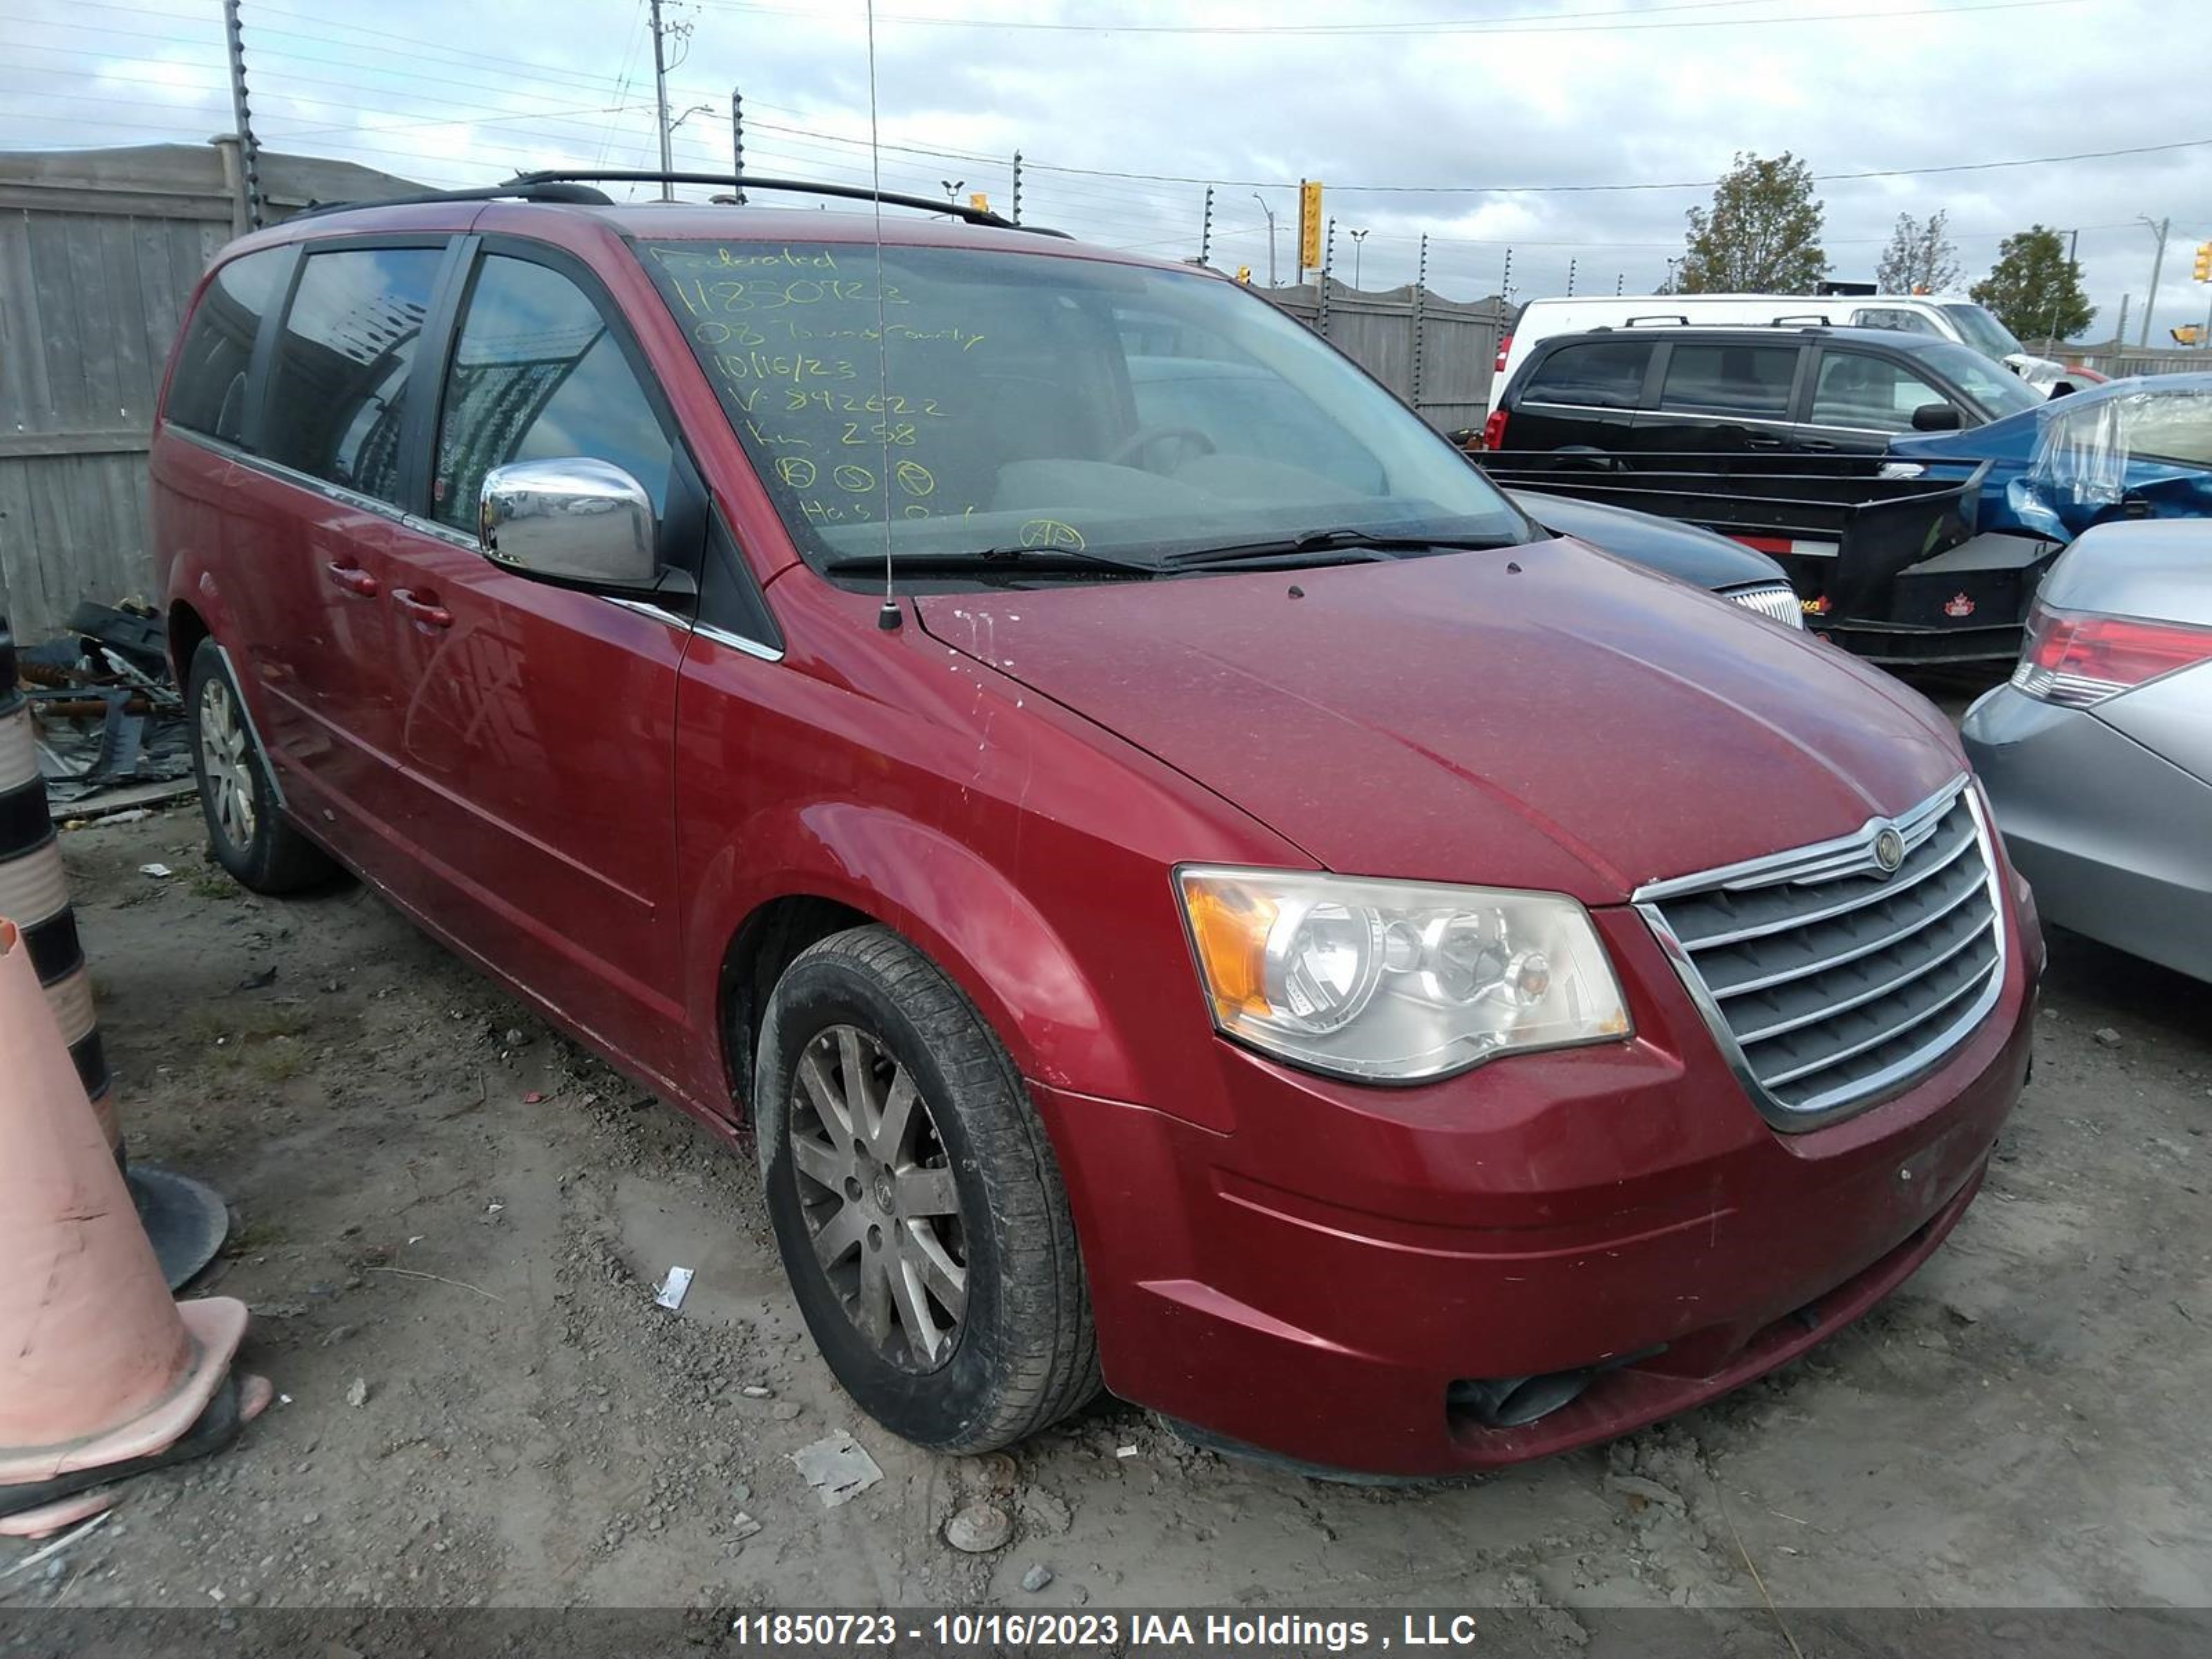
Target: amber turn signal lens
<point x="1228" y="924"/>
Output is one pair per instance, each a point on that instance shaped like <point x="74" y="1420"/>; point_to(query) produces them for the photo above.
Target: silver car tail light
<point x="2078" y="658"/>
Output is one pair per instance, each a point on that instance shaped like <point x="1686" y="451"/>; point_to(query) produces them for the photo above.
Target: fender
<point x="961" y="911"/>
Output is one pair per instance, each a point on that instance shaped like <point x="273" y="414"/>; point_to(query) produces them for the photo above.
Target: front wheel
<point x="246" y="829"/>
<point x="916" y="1201"/>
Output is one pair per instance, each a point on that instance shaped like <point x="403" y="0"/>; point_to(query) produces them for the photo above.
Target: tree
<point x="1920" y="259"/>
<point x="1762" y="234"/>
<point x="2034" y="289"/>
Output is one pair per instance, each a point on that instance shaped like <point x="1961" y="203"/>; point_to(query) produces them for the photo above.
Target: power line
<point x="1574" y="190"/>
<point x="1517" y="24"/>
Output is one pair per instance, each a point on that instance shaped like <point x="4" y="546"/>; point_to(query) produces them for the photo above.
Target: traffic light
<point x="2185" y="335"/>
<point x="1245" y="274"/>
<point x="979" y="201"/>
<point x="2204" y="272"/>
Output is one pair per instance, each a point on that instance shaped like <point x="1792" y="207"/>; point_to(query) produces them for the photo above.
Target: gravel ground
<point x="450" y="1222"/>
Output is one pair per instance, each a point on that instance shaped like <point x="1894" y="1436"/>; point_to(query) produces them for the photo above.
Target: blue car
<point x="2139" y="448"/>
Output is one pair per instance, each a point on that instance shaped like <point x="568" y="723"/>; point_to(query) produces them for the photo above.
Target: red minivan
<point x="1187" y="889"/>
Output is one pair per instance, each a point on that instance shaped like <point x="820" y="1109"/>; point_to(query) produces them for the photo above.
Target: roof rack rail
<point x="974" y="215"/>
<point x="527" y="190"/>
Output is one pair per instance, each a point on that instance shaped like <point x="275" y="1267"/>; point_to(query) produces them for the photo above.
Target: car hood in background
<point x="1540" y="716"/>
<point x="1687" y="552"/>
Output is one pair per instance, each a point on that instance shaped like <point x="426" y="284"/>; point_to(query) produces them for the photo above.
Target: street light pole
<point x="1359" y="240"/>
<point x="1270" y="212"/>
<point x="2157" y="263"/>
<point x="660" y="101"/>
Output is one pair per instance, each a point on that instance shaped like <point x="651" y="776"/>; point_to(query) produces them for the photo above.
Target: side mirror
<point x="571" y="520"/>
<point x="1937" y="418"/>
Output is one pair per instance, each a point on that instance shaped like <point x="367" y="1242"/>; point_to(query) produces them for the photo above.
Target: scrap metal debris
<point x="838" y="1468"/>
<point x="111" y="732"/>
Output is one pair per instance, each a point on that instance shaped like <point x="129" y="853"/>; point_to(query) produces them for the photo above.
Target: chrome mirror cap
<point x="571" y="520"/>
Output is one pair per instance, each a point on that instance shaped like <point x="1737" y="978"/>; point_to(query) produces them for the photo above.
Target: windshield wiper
<point x="1335" y="540"/>
<point x="1015" y="560"/>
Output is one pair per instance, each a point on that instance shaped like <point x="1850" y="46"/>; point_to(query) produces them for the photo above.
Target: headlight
<point x="1396" y="980"/>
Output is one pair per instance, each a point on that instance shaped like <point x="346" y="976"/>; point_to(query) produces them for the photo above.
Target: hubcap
<point x="877" y="1190"/>
<point x="226" y="765"/>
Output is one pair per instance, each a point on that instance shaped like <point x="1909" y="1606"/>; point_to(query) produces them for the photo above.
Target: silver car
<point x="2098" y="755"/>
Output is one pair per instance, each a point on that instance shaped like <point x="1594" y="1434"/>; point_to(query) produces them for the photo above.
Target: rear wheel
<point x="916" y="1200"/>
<point x="246" y="829"/>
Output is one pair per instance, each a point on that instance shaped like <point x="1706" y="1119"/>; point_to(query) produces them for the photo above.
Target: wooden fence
<point x="1435" y="354"/>
<point x="98" y="252"/>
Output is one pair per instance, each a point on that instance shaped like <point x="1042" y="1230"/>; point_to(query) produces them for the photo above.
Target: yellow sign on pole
<point x="1308" y="224"/>
<point x="979" y="201"/>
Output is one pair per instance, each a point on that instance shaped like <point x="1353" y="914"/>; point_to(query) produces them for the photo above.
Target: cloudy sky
<point x="1124" y="109"/>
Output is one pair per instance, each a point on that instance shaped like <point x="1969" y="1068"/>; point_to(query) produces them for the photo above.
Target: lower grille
<point x="1832" y="974"/>
<point x="1774" y="600"/>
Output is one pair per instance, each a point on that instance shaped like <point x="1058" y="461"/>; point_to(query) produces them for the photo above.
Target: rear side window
<point x="1608" y="374"/>
<point x="339" y="383"/>
<point x="208" y="393"/>
<point x="1731" y="379"/>
<point x="1871" y="393"/>
<point x="536" y="376"/>
<point x="1906" y="322"/>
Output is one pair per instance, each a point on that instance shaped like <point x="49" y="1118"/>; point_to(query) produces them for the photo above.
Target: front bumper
<point x="1314" y="1282"/>
<point x="2109" y="835"/>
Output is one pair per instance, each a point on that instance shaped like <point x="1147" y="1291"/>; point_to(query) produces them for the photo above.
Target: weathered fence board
<point x="98" y="250"/>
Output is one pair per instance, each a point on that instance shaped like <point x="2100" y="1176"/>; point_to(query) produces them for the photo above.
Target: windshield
<point x="1038" y="402"/>
<point x="1984" y="332"/>
<point x="1994" y="387"/>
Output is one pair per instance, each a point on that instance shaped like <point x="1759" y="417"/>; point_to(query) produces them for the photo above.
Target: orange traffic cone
<point x="101" y="1375"/>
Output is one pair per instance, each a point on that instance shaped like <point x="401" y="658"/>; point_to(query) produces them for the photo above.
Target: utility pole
<point x="2120" y="334"/>
<point x="1270" y="212"/>
<point x="2157" y="263"/>
<point x="1321" y="277"/>
<point x="1018" y="187"/>
<point x="1620" y="283"/>
<point x="1420" y="316"/>
<point x="2073" y="270"/>
<point x="1358" y="241"/>
<point x="660" y="100"/>
<point x="1671" y="264"/>
<point x="1205" y="230"/>
<point x="738" y="139"/>
<point x="1505" y="282"/>
<point x="1571" y="279"/>
<point x="249" y="152"/>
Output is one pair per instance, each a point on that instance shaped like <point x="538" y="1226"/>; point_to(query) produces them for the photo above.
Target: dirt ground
<point x="450" y="1223"/>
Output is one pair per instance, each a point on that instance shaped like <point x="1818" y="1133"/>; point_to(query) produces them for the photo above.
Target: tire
<point x="1022" y="1352"/>
<point x="247" y="831"/>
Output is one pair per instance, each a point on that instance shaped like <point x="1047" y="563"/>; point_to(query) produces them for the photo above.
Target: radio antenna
<point x="887" y="618"/>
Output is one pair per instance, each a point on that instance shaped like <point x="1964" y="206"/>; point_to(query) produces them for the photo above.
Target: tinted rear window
<point x="1726" y="379"/>
<point x="208" y="393"/>
<point x="339" y="382"/>
<point x="1607" y="372"/>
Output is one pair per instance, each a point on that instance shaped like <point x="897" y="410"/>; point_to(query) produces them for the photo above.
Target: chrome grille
<point x="1828" y="980"/>
<point x="1774" y="600"/>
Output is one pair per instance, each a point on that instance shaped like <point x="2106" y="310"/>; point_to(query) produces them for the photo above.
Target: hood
<point x="1543" y="716"/>
<point x="1687" y="552"/>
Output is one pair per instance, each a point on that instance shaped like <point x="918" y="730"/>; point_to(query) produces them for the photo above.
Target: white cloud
<point x="452" y="94"/>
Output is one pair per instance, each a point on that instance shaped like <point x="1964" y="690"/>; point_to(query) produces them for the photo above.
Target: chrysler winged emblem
<point x="1889" y="850"/>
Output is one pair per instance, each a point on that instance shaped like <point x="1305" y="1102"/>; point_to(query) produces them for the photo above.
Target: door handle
<point x="1762" y="443"/>
<point x="428" y="613"/>
<point x="1814" y="443"/>
<point x="352" y="578"/>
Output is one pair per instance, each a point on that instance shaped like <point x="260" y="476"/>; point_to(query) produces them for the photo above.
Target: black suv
<point x="1669" y="390"/>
